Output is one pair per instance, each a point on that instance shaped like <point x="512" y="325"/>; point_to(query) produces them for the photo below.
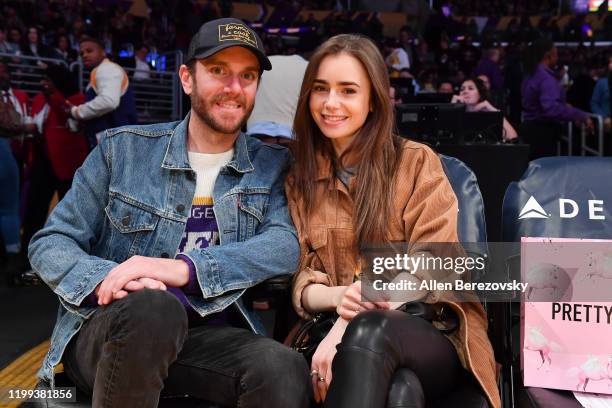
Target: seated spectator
<point x="354" y="183"/>
<point x="142" y="70"/>
<point x="405" y="73"/>
<point x="397" y="58"/>
<point x="445" y="86"/>
<point x="600" y="101"/>
<point x="6" y="47"/>
<point x="63" y="50"/>
<point x="277" y="98"/>
<point x="33" y="47"/>
<point x="14" y="39"/>
<point x="475" y="97"/>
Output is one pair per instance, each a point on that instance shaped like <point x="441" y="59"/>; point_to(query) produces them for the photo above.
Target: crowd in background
<point x="437" y="57"/>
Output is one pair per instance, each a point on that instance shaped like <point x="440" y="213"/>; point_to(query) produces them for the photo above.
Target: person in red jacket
<point x="58" y="150"/>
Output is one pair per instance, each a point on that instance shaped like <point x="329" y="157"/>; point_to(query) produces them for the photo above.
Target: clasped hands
<point x="141" y="272"/>
<point x="349" y="303"/>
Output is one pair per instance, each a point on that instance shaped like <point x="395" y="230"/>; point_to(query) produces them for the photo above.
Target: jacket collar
<point x="176" y="153"/>
<point x="323" y="167"/>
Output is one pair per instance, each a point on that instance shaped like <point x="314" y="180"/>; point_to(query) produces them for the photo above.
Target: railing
<point x="27" y="72"/>
<point x="158" y="99"/>
<point x="585" y="149"/>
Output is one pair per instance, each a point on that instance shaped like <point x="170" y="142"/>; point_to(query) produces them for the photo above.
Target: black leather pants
<point x="391" y="359"/>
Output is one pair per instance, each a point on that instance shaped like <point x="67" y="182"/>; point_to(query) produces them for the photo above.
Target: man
<point x="489" y="67"/>
<point x="445" y="86"/>
<point x="142" y="70"/>
<point x="109" y="98"/>
<point x="396" y="57"/>
<point x="276" y="101"/>
<point x="543" y="101"/>
<point x="199" y="189"/>
<point x="5" y="46"/>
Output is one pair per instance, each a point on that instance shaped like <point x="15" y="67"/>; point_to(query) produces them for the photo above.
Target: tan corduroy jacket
<point x="425" y="210"/>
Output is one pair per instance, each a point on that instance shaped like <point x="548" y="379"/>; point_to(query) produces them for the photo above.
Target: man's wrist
<point x="74" y="112"/>
<point x="187" y="266"/>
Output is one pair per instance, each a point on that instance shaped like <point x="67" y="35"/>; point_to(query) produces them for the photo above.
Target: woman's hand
<point x="485" y="106"/>
<point x="457" y="99"/>
<point x="351" y="302"/>
<point x="321" y="367"/>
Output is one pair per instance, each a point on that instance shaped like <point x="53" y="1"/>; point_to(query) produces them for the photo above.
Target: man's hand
<point x="171" y="272"/>
<point x="135" y="285"/>
<point x="68" y="109"/>
<point x="590" y="127"/>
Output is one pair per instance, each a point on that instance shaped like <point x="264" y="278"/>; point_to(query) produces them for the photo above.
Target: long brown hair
<point x="375" y="144"/>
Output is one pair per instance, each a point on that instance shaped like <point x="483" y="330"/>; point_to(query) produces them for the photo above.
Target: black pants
<point x="131" y="350"/>
<point x="391" y="359"/>
<point x="542" y="138"/>
<point x="43" y="183"/>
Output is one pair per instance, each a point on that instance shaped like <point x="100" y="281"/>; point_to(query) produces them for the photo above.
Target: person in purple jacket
<point x="489" y="66"/>
<point x="543" y="100"/>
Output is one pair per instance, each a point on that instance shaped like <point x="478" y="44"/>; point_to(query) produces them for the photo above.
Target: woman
<point x="33" y="47"/>
<point x="355" y="182"/>
<point x="474" y="94"/>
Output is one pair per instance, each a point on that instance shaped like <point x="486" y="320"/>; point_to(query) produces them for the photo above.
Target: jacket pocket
<point x="132" y="228"/>
<point x="252" y="206"/>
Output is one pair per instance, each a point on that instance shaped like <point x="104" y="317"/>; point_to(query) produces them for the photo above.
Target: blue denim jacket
<point x="132" y="196"/>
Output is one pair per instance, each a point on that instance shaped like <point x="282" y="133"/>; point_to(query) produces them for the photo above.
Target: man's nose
<point x="233" y="85"/>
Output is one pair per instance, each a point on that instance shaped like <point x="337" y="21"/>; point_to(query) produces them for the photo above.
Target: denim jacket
<point x="132" y="196"/>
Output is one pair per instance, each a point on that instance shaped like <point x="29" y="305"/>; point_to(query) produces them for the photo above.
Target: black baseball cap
<point x="222" y="33"/>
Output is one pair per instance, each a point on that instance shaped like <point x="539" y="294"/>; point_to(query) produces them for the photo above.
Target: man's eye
<point x="216" y="70"/>
<point x="249" y="76"/>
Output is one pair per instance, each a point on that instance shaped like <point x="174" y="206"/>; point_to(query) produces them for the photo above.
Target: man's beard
<point x="198" y="105"/>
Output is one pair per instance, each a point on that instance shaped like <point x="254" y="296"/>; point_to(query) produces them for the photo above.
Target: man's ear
<point x="185" y="77"/>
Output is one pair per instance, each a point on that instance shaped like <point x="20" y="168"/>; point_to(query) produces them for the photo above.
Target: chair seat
<point x="467" y="394"/>
<point x="532" y="397"/>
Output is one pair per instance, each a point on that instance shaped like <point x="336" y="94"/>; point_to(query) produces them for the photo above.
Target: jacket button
<point x="180" y="208"/>
<point x="125" y="220"/>
<point x="165" y="255"/>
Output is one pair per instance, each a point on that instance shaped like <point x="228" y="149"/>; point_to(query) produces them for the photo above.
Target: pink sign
<point x="567" y="343"/>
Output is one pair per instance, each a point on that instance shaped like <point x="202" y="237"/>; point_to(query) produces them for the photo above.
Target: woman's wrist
<point x="337" y="294"/>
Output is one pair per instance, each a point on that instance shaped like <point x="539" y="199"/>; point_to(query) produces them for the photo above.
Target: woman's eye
<point x="349" y="91"/>
<point x="319" y="88"/>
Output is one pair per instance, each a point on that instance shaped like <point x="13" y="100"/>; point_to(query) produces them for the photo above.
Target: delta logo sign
<point x="568" y="208"/>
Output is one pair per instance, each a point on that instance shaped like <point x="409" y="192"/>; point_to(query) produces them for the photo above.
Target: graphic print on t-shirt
<point x="201" y="230"/>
